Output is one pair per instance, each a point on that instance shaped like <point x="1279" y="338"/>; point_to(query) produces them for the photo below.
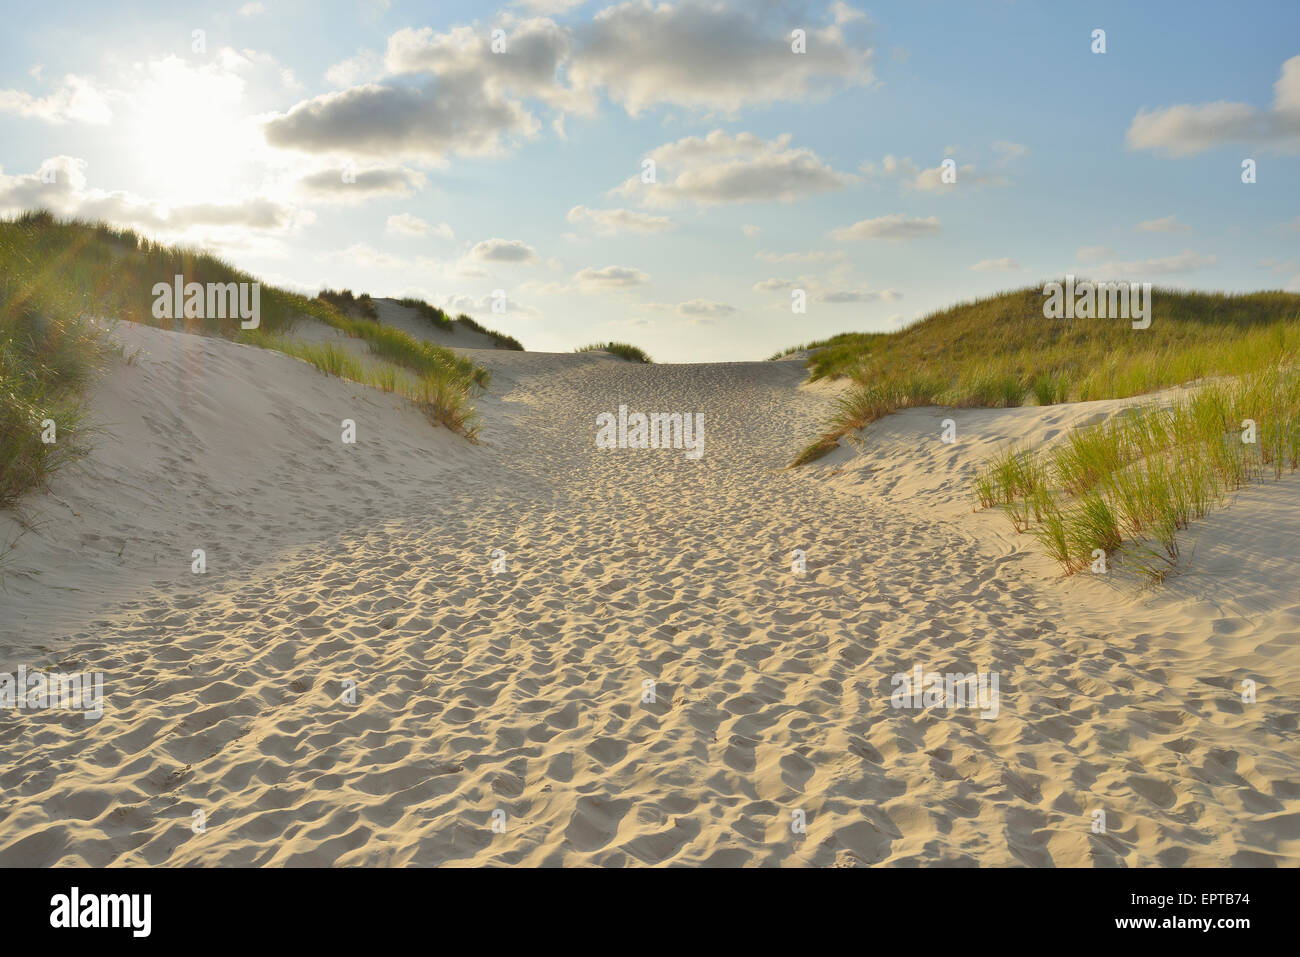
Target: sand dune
<point x="523" y="690"/>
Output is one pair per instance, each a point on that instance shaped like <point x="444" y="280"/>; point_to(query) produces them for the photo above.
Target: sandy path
<point x="522" y="692"/>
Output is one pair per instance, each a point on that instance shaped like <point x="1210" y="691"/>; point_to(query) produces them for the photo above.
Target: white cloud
<point x="609" y="277"/>
<point x="721" y="168"/>
<point x="695" y="311"/>
<point x="470" y="101"/>
<point x="450" y="94"/>
<point x="818" y="291"/>
<point x="1185" y="130"/>
<point x="893" y="228"/>
<point x="704" y="309"/>
<point x="751" y="231"/>
<point x="503" y="250"/>
<point x="710" y="56"/>
<point x="404" y="224"/>
<point x="367" y="255"/>
<point x="836" y="296"/>
<point x="612" y="221"/>
<point x="1169" y="224"/>
<point x="1086" y="254"/>
<point x="1280" y="265"/>
<point x="1006" y="263"/>
<point x="913" y="177"/>
<point x="1009" y="151"/>
<point x="76" y="99"/>
<point x="70" y="196"/>
<point x="843" y="13"/>
<point x="484" y="305"/>
<point x="546" y="7"/>
<point x="252" y="10"/>
<point x="1186" y="261"/>
<point x="364" y="67"/>
<point x="351" y="184"/>
<point x="812" y="256"/>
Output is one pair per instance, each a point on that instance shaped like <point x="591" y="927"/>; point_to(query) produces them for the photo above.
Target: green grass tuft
<point x="1131" y="483"/>
<point x="623" y="350"/>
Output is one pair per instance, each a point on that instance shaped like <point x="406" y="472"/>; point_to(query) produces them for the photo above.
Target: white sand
<point x="522" y="692"/>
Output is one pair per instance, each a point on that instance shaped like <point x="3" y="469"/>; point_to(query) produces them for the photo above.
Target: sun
<point x="193" y="140"/>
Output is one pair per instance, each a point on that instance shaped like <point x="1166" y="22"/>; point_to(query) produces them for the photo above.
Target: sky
<point x="494" y="156"/>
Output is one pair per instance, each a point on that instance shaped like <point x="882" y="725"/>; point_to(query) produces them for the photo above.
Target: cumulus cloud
<point x="449" y="94"/>
<point x="436" y="94"/>
<point x="548" y="6"/>
<point x="1006" y="263"/>
<point x="503" y="251"/>
<point x="364" y="67"/>
<point x="612" y="221"/>
<point x="704" y="309"/>
<point x="913" y="177"/>
<point x="1185" y="130"/>
<point x="751" y="231"/>
<point x="609" y="277"/>
<point x="451" y="115"/>
<point x="367" y="255"/>
<point x="721" y="168"/>
<point x="1169" y="224"/>
<point x="68" y="195"/>
<point x="1008" y="151"/>
<point x="1186" y="261"/>
<point x="482" y="305"/>
<point x="695" y="311"/>
<point x="711" y="56"/>
<point x="344" y="184"/>
<point x="812" y="256"/>
<point x="843" y="13"/>
<point x="1087" y="254"/>
<point x="892" y="228"/>
<point x="75" y="100"/>
<point x="535" y="51"/>
<point x="404" y="224"/>
<point x="834" y="296"/>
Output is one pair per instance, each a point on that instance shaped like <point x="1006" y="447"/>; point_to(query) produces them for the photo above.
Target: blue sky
<point x="477" y="172"/>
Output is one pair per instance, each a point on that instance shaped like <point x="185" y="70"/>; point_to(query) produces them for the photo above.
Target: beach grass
<point x="1001" y="351"/>
<point x="440" y="320"/>
<point x="1134" y="481"/>
<point x="58" y="277"/>
<point x="624" y="350"/>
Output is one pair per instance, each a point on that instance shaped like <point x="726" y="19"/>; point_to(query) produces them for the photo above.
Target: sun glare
<point x="194" y="141"/>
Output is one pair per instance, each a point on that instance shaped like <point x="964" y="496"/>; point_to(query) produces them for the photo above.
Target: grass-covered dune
<point x="440" y="320"/>
<point x="623" y="350"/>
<point x="1133" y="482"/>
<point x="56" y="276"/>
<point x="1001" y="351"/>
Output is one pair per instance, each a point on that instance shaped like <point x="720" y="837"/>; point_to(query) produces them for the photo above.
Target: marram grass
<point x="1133" y="482"/>
<point x="58" y="276"/>
<point x="624" y="350"/>
<point x="1001" y="351"/>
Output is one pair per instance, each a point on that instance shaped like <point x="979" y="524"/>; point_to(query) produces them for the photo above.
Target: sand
<point x="501" y="714"/>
